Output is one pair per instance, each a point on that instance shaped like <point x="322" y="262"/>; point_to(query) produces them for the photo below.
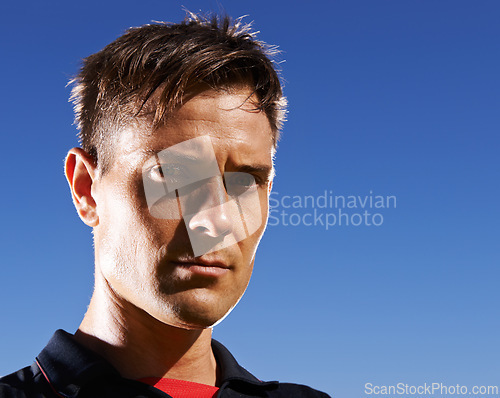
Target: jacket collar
<point x="231" y="369"/>
<point x="67" y="365"/>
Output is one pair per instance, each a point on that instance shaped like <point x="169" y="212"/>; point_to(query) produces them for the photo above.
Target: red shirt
<point x="181" y="388"/>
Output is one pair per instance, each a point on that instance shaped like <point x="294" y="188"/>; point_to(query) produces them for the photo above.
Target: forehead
<point x="237" y="130"/>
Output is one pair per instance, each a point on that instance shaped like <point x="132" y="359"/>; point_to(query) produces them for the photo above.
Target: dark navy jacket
<point x="65" y="369"/>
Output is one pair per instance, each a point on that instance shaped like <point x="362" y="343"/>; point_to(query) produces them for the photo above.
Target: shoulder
<point x="20" y="384"/>
<point x="238" y="379"/>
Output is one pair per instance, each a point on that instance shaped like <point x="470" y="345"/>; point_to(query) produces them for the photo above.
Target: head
<point x="204" y="89"/>
<point x="150" y="70"/>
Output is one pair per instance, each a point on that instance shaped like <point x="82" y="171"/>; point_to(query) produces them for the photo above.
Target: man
<point x="178" y="125"/>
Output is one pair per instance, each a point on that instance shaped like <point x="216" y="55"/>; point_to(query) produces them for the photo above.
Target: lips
<point x="202" y="262"/>
<point x="207" y="267"/>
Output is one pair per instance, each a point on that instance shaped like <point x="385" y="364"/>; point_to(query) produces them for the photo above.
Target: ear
<point x="81" y="172"/>
<point x="270" y="187"/>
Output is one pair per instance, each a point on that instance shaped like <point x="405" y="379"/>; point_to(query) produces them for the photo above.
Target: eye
<point x="166" y="172"/>
<point x="237" y="183"/>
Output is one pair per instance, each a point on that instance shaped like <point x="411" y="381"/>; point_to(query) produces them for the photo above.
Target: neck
<point x="138" y="345"/>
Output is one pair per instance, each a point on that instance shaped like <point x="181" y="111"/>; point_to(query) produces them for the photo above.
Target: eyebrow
<point x="173" y="154"/>
<point x="259" y="169"/>
<point x="266" y="170"/>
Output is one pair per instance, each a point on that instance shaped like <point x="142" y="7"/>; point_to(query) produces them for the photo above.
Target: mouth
<point x="200" y="266"/>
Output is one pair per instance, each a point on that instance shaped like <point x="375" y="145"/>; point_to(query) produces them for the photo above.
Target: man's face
<point x="186" y="258"/>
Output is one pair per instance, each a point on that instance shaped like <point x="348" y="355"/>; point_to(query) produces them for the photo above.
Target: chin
<point x="199" y="321"/>
<point x="196" y="318"/>
<point x="190" y="323"/>
<point x="195" y="309"/>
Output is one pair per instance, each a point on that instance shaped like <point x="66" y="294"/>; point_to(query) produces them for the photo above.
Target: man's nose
<point x="214" y="222"/>
<point x="206" y="209"/>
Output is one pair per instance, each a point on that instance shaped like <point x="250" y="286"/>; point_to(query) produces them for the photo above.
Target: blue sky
<point x="387" y="98"/>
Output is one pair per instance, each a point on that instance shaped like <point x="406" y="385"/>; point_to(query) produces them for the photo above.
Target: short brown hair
<point x="167" y="60"/>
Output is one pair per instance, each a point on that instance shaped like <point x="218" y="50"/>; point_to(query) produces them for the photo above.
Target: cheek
<point x="260" y="216"/>
<point x="122" y="233"/>
<point x="264" y="200"/>
<point x="264" y="208"/>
